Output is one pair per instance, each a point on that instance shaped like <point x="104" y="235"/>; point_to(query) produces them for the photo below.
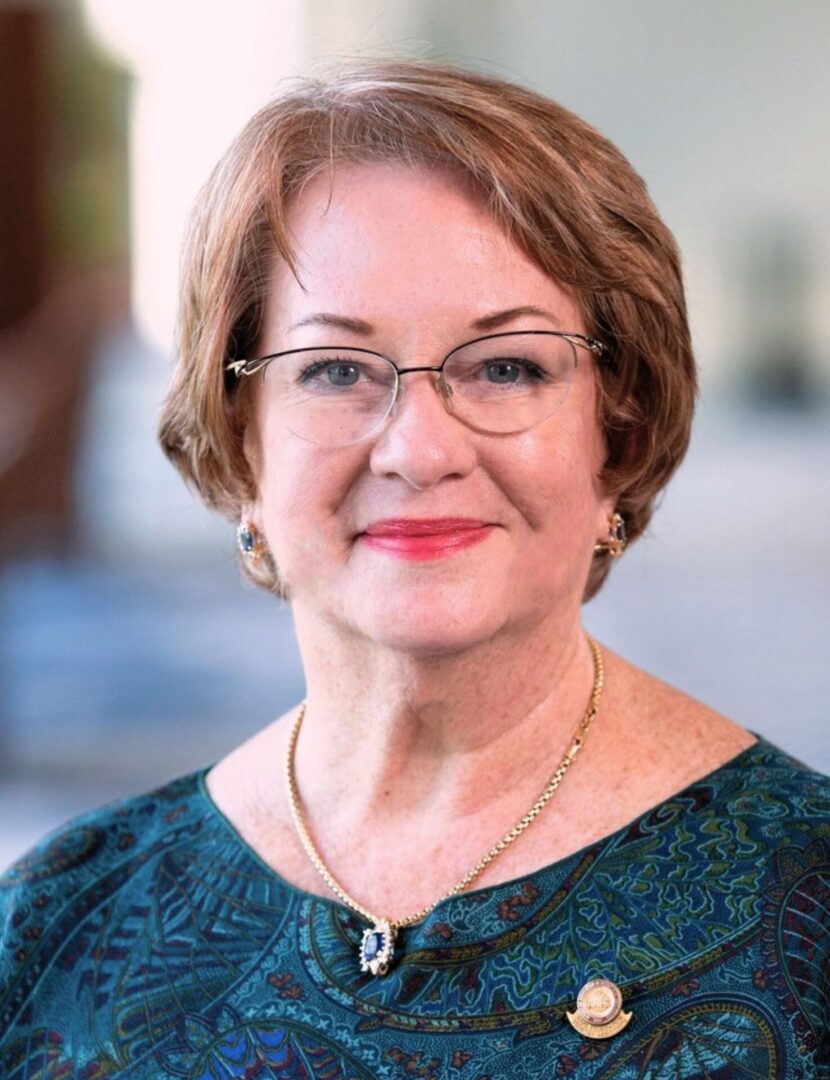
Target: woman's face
<point x="414" y="257"/>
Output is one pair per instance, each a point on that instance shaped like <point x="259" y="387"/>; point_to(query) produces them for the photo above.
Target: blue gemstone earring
<point x="248" y="541"/>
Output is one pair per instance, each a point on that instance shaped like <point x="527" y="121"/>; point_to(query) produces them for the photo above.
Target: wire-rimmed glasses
<point x="498" y="384"/>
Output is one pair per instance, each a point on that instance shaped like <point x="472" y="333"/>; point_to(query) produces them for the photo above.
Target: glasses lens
<point x="331" y="396"/>
<point x="509" y="382"/>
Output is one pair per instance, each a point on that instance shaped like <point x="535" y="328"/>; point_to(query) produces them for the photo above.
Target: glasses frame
<point x="242" y="368"/>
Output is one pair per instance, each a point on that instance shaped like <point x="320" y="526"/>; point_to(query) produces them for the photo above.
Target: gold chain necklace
<point x="378" y="944"/>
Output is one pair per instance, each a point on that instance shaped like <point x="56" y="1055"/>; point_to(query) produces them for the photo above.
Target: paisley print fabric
<point x="147" y="940"/>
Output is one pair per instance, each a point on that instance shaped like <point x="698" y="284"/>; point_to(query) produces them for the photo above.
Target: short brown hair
<point x="560" y="189"/>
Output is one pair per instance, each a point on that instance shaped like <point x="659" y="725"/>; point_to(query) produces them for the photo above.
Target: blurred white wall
<point x="200" y="69"/>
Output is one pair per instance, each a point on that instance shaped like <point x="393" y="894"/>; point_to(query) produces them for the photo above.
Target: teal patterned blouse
<point x="148" y="940"/>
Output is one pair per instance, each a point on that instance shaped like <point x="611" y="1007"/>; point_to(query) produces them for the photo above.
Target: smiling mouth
<point x="425" y="539"/>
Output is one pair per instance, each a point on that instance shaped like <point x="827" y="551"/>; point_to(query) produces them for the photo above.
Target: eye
<point x="334" y="373"/>
<point x="506" y="371"/>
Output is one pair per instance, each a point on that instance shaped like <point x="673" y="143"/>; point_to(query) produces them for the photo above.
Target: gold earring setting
<point x="615" y="545"/>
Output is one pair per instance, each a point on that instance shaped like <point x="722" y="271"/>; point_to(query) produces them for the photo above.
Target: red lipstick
<point x="424" y="538"/>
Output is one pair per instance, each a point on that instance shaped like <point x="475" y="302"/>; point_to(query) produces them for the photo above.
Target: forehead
<point x="392" y="244"/>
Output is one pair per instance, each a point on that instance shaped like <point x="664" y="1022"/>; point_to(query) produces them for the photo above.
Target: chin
<point x="428" y="620"/>
<point x="425" y="645"/>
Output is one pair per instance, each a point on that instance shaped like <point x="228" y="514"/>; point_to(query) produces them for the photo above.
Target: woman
<point x="434" y="360"/>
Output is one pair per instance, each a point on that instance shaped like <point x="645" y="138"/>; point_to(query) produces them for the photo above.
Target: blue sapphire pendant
<point x="377" y="948"/>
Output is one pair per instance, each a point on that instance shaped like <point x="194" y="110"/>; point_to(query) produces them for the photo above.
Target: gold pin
<point x="599" y="1012"/>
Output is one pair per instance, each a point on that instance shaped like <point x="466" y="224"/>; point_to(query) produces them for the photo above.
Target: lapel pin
<point x="599" y="1012"/>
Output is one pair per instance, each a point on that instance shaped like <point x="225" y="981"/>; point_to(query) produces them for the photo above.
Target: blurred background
<point x="131" y="651"/>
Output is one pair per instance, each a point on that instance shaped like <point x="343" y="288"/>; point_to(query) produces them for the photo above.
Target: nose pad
<point x="442" y="389"/>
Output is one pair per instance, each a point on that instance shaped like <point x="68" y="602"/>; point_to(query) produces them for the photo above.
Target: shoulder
<point x="757" y="828"/>
<point x="125" y="916"/>
<point x="664" y="749"/>
<point x="760" y="827"/>
<point x="91" y="843"/>
<point x="47" y="893"/>
<point x="658" y="740"/>
<point x="768" y="783"/>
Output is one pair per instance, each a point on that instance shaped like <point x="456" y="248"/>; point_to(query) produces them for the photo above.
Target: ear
<point x="250" y="510"/>
<point x="250" y="513"/>
<point x="251" y="442"/>
<point x="251" y="450"/>
<point x="605" y="508"/>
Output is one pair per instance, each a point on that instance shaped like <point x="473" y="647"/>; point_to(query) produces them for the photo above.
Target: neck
<point x="391" y="736"/>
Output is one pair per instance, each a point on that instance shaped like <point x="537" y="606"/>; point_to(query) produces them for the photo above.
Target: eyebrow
<point x="487" y="322"/>
<point x="499" y="318"/>
<point x="341" y="322"/>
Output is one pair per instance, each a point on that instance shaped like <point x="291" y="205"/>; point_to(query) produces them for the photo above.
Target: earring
<point x="249" y="542"/>
<point x="614" y="546"/>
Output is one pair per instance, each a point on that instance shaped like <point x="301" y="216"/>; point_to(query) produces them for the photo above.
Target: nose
<point x="423" y="442"/>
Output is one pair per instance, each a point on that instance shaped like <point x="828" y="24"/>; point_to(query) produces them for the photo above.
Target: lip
<point x="417" y="541"/>
<point x="423" y="526"/>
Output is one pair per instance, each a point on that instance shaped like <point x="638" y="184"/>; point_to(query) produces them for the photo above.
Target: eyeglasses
<point x="501" y="383"/>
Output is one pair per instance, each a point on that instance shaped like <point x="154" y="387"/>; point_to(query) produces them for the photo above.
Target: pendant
<point x="377" y="948"/>
<point x="599" y="1012"/>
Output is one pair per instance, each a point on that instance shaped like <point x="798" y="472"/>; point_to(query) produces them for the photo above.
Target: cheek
<point x="301" y="488"/>
<point x="554" y="478"/>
